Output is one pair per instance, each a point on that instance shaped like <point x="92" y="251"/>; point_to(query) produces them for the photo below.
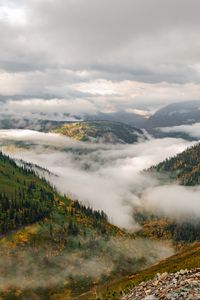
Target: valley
<point x="99" y="150"/>
<point x="68" y="235"/>
<point x="58" y="254"/>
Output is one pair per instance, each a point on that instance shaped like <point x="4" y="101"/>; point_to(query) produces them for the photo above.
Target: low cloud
<point x="192" y="130"/>
<point x="84" y="94"/>
<point x="106" y="177"/>
<point x="28" y="268"/>
<point x="173" y="201"/>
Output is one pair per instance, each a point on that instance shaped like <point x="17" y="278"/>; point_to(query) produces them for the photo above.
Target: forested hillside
<point x="52" y="247"/>
<point x="24" y="197"/>
<point x="184" y="167"/>
<point x="101" y="131"/>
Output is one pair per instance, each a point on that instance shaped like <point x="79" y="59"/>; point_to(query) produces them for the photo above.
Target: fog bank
<point x="106" y="177"/>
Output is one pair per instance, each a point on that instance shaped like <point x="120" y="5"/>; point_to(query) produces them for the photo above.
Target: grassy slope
<point x="104" y="131"/>
<point x="188" y="258"/>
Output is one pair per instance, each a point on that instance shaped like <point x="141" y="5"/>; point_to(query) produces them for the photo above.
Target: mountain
<point x="118" y="116"/>
<point x="175" y="114"/>
<point x="52" y="247"/>
<point x="24" y="197"/>
<point x="41" y="122"/>
<point x="184" y="167"/>
<point x="101" y="132"/>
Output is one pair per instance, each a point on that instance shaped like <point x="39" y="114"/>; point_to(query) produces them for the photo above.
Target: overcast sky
<point x="98" y="55"/>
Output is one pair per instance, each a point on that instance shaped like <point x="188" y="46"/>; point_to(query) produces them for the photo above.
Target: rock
<point x="163" y="276"/>
<point x="150" y="297"/>
<point x="181" y="285"/>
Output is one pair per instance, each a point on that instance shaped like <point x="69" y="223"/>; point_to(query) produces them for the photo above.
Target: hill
<point x="52" y="247"/>
<point x="101" y="132"/>
<point x="24" y="197"/>
<point x="187" y="258"/>
<point x="175" y="114"/>
<point x="184" y="167"/>
<point x="125" y="117"/>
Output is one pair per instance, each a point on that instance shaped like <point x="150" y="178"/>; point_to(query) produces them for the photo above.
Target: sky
<point x="85" y="56"/>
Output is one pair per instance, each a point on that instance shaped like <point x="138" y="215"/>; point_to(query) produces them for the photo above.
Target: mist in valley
<point x="28" y="268"/>
<point x="107" y="177"/>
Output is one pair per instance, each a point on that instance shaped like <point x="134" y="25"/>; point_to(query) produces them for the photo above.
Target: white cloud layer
<point x="122" y="55"/>
<point x="107" y="177"/>
<point x="174" y="201"/>
<point x="192" y="130"/>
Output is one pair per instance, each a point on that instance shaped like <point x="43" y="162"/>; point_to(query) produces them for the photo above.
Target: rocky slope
<point x="181" y="285"/>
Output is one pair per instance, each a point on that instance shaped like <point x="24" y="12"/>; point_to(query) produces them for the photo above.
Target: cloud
<point x="174" y="201"/>
<point x="107" y="177"/>
<point x="48" y="266"/>
<point x="52" y="106"/>
<point x="132" y="31"/>
<point x="50" y="49"/>
<point x="78" y="95"/>
<point x="192" y="130"/>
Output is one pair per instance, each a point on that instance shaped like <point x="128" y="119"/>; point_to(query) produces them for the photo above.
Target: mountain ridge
<point x="101" y="132"/>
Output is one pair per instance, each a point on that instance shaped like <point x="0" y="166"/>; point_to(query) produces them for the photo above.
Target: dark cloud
<point x="55" y="44"/>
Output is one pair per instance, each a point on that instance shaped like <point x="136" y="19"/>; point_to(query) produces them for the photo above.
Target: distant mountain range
<point x="175" y="114"/>
<point x="118" y="116"/>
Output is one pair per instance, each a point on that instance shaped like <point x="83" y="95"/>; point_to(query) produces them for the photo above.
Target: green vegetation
<point x="72" y="251"/>
<point x="185" y="167"/>
<point x="187" y="258"/>
<point x="24" y="197"/>
<point x="160" y="228"/>
<point x="55" y="248"/>
<point x="100" y="131"/>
